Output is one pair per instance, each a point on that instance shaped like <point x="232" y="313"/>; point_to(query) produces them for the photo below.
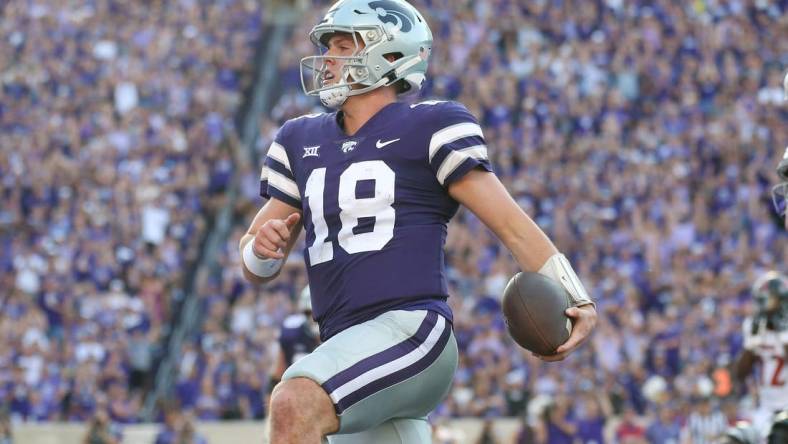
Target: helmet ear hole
<point x="401" y="85"/>
<point x="393" y="56"/>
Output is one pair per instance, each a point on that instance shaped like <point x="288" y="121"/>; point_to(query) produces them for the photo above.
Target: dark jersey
<point x="296" y="338"/>
<point x="375" y="205"/>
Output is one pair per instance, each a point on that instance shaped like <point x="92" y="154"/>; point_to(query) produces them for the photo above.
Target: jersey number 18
<point x="352" y="209"/>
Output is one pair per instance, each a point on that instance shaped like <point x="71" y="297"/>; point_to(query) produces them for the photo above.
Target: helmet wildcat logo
<point x="391" y="12"/>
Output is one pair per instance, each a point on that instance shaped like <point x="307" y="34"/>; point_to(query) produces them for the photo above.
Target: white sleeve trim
<point x="452" y="133"/>
<point x="456" y="158"/>
<point x="283" y="184"/>
<point x="277" y="152"/>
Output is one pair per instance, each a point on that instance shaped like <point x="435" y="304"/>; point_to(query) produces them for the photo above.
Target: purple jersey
<point x="375" y="205"/>
<point x="296" y="338"/>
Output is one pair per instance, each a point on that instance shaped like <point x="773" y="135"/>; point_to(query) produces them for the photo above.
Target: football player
<point x="374" y="185"/>
<point x="766" y="343"/>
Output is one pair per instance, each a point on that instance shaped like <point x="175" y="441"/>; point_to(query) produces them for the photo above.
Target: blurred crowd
<point x="114" y="121"/>
<point x="642" y="136"/>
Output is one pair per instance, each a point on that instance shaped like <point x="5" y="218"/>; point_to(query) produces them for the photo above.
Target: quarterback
<point x="374" y="186"/>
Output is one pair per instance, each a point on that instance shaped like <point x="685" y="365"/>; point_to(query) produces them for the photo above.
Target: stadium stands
<point x="642" y="136"/>
<point x="113" y="116"/>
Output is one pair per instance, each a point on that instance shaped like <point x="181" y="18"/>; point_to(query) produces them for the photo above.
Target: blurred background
<point x="642" y="136"/>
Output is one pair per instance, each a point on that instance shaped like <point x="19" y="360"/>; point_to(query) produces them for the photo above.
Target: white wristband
<point x="560" y="270"/>
<point x="263" y="268"/>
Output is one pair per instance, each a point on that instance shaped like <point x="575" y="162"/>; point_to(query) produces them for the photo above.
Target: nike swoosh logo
<point x="381" y="144"/>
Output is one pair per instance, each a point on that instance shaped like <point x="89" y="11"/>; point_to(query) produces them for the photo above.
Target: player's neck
<point x="357" y="110"/>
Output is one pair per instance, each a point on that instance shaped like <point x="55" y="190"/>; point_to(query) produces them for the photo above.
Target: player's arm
<point x="268" y="241"/>
<point x="483" y="194"/>
<point x="744" y="365"/>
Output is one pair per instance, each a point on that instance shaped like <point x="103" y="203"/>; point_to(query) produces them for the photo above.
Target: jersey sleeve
<point x="277" y="178"/>
<point x="457" y="144"/>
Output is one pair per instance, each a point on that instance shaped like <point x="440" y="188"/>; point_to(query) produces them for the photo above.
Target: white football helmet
<point x="397" y="45"/>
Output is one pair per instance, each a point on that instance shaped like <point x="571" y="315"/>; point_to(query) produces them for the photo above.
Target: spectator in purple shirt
<point x="559" y="422"/>
<point x="596" y="409"/>
<point x="665" y="429"/>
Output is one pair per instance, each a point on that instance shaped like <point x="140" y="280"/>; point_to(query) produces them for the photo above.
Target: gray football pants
<point x="384" y="376"/>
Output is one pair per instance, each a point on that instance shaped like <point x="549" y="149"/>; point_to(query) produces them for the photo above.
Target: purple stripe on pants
<point x="387" y="355"/>
<point x="398" y="376"/>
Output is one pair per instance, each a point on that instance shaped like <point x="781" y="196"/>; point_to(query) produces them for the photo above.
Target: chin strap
<point x="335" y="97"/>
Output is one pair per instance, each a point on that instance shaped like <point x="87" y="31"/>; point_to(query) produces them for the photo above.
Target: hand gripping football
<point x="533" y="308"/>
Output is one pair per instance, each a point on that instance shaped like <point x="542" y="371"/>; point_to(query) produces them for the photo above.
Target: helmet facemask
<point x="354" y="69"/>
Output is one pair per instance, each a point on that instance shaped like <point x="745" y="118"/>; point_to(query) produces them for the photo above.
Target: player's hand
<point x="272" y="237"/>
<point x="583" y="323"/>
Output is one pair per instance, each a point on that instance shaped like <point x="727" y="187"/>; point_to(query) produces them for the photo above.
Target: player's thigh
<point x="398" y="365"/>
<point x="413" y="397"/>
<point x="305" y="399"/>
<point x="394" y="431"/>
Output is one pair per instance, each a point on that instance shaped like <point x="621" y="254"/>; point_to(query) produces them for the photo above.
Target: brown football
<point x="533" y="308"/>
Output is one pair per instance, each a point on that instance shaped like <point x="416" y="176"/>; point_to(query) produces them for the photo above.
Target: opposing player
<point x="766" y="343"/>
<point x="375" y="185"/>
